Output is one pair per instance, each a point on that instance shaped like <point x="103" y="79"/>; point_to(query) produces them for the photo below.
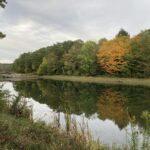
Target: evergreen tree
<point x="122" y="32"/>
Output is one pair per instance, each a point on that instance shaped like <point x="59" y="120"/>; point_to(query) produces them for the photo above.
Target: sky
<point x="32" y="24"/>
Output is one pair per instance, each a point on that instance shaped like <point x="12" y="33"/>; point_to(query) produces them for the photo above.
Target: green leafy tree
<point x="30" y="62"/>
<point x="88" y="58"/>
<point x="53" y="61"/>
<point x="18" y="65"/>
<point x="61" y="50"/>
<point x="71" y="60"/>
<point x="138" y="58"/>
<point x="50" y="65"/>
<point x="37" y="58"/>
<point x="23" y="63"/>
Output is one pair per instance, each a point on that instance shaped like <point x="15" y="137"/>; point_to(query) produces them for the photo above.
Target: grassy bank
<point x="18" y="77"/>
<point x="101" y="80"/>
<point x="20" y="133"/>
<point x="83" y="79"/>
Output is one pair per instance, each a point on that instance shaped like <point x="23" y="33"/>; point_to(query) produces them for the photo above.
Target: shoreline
<point x="101" y="80"/>
<point x="81" y="79"/>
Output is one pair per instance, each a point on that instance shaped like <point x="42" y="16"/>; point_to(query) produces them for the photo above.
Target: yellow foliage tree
<point x="111" y="54"/>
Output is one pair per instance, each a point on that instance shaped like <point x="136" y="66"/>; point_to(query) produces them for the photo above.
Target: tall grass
<point x="146" y="134"/>
<point x="18" y="132"/>
<point x="19" y="108"/>
<point x="136" y="141"/>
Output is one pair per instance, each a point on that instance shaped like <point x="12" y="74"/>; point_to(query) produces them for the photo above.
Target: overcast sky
<point x="32" y="24"/>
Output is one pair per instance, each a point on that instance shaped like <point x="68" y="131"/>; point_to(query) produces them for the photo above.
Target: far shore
<point x="82" y="79"/>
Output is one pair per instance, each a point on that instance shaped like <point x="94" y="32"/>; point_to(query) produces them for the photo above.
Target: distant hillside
<point x="5" y="68"/>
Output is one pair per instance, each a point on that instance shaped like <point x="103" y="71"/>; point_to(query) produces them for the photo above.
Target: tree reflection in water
<point x="117" y="103"/>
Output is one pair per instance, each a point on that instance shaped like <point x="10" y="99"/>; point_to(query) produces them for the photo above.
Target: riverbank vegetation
<point x="19" y="131"/>
<point x="122" y="56"/>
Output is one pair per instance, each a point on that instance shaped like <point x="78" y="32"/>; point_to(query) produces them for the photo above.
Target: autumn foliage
<point x="111" y="54"/>
<point x="122" y="56"/>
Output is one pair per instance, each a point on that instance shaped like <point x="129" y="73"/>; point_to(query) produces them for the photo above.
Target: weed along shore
<point x="82" y="79"/>
<point x="23" y="125"/>
<point x="19" y="131"/>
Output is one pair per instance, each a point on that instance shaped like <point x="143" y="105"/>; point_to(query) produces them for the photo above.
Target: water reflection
<point x="106" y="109"/>
<point x="116" y="103"/>
<point x="112" y="105"/>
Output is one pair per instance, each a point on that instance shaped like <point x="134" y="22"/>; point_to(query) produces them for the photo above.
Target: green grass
<point x="101" y="80"/>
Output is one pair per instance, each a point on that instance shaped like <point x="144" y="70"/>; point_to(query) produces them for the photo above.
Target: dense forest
<point x="122" y="56"/>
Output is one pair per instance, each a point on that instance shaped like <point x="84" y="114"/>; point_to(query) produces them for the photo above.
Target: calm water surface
<point x="106" y="109"/>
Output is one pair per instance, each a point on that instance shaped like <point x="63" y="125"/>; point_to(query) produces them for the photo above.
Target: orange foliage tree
<point x="111" y="54"/>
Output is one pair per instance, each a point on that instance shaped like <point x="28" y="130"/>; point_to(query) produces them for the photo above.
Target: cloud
<point x="32" y="24"/>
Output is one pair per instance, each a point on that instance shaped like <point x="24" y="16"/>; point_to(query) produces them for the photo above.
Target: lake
<point x="107" y="110"/>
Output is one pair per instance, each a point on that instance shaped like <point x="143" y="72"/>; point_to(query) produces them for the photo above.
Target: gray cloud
<point x="32" y="24"/>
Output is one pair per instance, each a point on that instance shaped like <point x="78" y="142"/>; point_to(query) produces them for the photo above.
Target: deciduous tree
<point x="88" y="59"/>
<point x="138" y="58"/>
<point x="111" y="54"/>
<point x="71" y="60"/>
<point x="50" y="64"/>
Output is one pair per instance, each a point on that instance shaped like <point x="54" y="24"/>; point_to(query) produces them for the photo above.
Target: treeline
<point x="5" y="68"/>
<point x="121" y="56"/>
